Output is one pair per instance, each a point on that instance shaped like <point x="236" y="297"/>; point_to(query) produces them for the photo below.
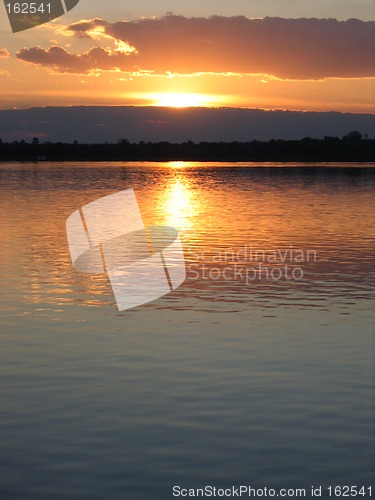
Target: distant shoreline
<point x="351" y="148"/>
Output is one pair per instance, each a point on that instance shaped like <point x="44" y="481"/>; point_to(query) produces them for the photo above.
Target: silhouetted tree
<point x="352" y="147"/>
<point x="353" y="136"/>
<point x="123" y="142"/>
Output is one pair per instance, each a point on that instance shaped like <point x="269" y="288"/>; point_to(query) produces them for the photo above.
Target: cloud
<point x="88" y="28"/>
<point x="4" y="53"/>
<point x="61" y="61"/>
<point x="167" y="124"/>
<point x="284" y="48"/>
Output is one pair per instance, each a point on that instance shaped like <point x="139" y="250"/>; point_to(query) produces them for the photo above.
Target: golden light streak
<point x="184" y="100"/>
<point x="177" y="202"/>
<point x="178" y="208"/>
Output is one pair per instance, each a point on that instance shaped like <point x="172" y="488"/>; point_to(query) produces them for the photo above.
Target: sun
<point x="183" y="100"/>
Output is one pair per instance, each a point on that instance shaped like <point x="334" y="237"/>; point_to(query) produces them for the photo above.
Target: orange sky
<point x="271" y="63"/>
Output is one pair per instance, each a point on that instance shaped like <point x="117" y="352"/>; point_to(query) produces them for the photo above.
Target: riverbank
<point x="352" y="147"/>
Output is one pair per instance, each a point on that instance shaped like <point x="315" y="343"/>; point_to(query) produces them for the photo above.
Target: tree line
<point x="352" y="147"/>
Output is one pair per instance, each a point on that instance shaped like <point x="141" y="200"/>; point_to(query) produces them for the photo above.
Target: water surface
<point x="226" y="381"/>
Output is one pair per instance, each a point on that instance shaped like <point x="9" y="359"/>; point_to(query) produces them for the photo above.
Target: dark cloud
<point x="284" y="48"/>
<point x="86" y="124"/>
<point x="58" y="59"/>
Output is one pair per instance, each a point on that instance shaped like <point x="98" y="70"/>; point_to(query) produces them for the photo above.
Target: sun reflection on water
<point x="178" y="164"/>
<point x="180" y="203"/>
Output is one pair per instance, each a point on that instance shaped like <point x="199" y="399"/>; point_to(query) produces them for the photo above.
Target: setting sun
<point x="184" y="100"/>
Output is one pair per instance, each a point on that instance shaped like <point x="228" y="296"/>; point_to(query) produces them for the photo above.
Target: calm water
<point x="231" y="379"/>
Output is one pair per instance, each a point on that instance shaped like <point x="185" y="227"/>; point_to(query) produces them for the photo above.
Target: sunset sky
<point x="271" y="54"/>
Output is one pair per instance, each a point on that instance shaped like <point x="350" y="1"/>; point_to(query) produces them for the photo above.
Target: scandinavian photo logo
<point x="25" y="15"/>
<point x="108" y="236"/>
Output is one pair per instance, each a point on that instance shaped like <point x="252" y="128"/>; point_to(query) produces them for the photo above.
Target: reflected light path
<point x="180" y="202"/>
<point x="178" y="209"/>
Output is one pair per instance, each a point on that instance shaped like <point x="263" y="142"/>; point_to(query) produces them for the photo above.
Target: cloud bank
<point x="284" y="48"/>
<point x="100" y="124"/>
<point x="60" y="60"/>
<point x="4" y="53"/>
